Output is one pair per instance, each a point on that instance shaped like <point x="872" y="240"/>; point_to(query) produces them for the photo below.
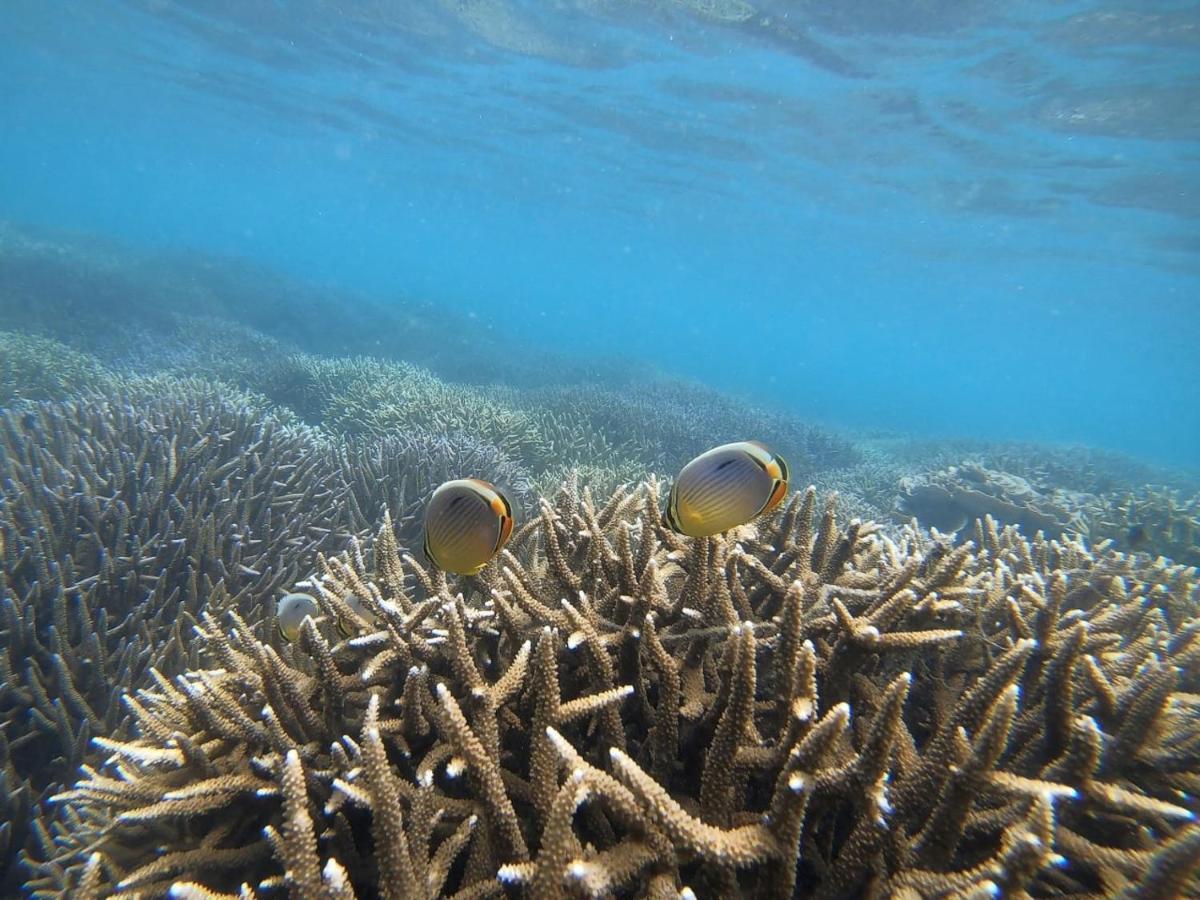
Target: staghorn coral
<point x="666" y="422"/>
<point x="616" y="438"/>
<point x="189" y="345"/>
<point x="365" y="396"/>
<point x="1151" y="519"/>
<point x="616" y="419"/>
<point x="601" y="478"/>
<point x="39" y="368"/>
<point x="398" y="472"/>
<point x="121" y="518"/>
<point x="793" y="709"/>
<point x="1155" y="520"/>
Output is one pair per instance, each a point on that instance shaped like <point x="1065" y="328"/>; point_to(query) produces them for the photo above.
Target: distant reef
<point x="951" y="669"/>
<point x="156" y="309"/>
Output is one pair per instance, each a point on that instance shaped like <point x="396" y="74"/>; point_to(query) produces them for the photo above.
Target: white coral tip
<point x="335" y="876"/>
<point x="579" y="870"/>
<point x="514" y="873"/>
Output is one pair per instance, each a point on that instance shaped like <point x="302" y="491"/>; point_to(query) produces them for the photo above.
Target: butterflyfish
<point x="726" y="487"/>
<point x="467" y="522"/>
<point x="291" y="611"/>
<point x="350" y="628"/>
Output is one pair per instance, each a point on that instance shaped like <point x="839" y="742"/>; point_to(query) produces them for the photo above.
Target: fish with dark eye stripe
<point x="726" y="487"/>
<point x="363" y="616"/>
<point x="291" y="611"/>
<point x="467" y="523"/>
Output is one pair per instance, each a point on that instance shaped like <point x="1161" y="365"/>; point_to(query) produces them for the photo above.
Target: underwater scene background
<point x="272" y="272"/>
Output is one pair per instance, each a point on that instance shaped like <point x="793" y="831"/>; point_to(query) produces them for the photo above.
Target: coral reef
<point x="39" y="368"/>
<point x="213" y="348"/>
<point x="122" y="302"/>
<point x="366" y="396"/>
<point x="397" y="473"/>
<point x="953" y="498"/>
<point x="666" y="422"/>
<point x="618" y="438"/>
<point x="1153" y="519"/>
<point x="124" y="517"/>
<point x="1082" y="469"/>
<point x="610" y="709"/>
<point x="425" y="370"/>
<point x="794" y="709"/>
<point x="120" y="519"/>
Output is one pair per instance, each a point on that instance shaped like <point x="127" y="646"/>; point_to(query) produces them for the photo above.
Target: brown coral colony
<point x="612" y="709"/>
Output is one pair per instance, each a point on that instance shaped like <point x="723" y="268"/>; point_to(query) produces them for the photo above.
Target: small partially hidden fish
<point x="467" y="522"/>
<point x="726" y="487"/>
<point x="365" y="616"/>
<point x="291" y="611"/>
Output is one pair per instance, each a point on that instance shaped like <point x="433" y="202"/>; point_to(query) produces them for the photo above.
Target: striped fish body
<point x="726" y="487"/>
<point x="467" y="522"/>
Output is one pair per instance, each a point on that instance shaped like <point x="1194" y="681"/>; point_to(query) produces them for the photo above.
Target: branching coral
<point x="665" y="423"/>
<point x="123" y="517"/>
<point x="39" y="368"/>
<point x="1154" y="520"/>
<point x="398" y="472"/>
<point x="615" y="438"/>
<point x="365" y="396"/>
<point x="793" y="709"/>
<point x="120" y="520"/>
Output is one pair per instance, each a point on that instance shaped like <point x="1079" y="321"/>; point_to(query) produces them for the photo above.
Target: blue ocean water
<point x="971" y="218"/>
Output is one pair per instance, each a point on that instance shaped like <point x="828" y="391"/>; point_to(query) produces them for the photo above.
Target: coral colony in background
<point x="969" y="670"/>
